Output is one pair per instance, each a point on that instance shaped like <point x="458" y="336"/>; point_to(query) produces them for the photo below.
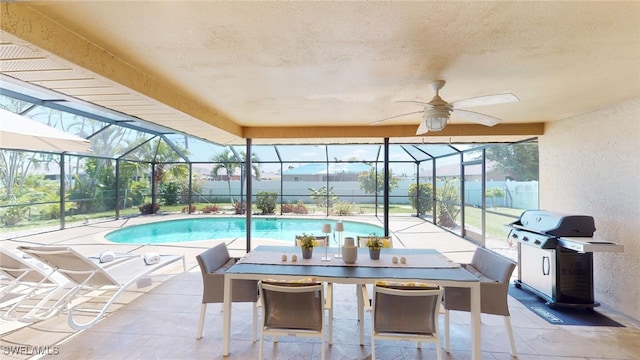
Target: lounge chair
<point x="21" y="276"/>
<point x="89" y="281"/>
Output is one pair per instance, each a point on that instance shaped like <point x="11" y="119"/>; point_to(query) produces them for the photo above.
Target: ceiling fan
<point x="437" y="111"/>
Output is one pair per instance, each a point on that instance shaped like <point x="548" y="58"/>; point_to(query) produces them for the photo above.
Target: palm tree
<point x="228" y="161"/>
<point x="161" y="155"/>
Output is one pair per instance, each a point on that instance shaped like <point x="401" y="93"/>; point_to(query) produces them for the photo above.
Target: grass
<point x="494" y="222"/>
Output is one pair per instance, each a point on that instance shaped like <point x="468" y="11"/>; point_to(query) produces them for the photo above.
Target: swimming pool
<point x="185" y="230"/>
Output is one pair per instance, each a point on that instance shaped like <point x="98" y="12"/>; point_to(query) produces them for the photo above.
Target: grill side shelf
<point x="588" y="245"/>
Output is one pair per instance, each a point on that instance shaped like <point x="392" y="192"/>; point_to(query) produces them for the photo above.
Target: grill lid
<point x="556" y="224"/>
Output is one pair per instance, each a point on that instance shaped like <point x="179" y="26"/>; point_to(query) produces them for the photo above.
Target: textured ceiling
<point x="283" y="71"/>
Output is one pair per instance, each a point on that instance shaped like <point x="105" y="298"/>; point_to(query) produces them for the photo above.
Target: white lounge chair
<point x="89" y="282"/>
<point x="20" y="276"/>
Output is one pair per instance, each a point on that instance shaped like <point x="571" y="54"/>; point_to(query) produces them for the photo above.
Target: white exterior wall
<point x="590" y="165"/>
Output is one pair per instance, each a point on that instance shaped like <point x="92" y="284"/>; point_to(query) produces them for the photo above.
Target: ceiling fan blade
<point x="485" y="100"/>
<point x="393" y="117"/>
<point x="475" y="117"/>
<point x="422" y="129"/>
<point x="421" y="103"/>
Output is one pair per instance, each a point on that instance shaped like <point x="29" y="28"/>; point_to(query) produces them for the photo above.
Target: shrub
<point x="494" y="193"/>
<point x="193" y="209"/>
<point x="149" y="208"/>
<point x="169" y="193"/>
<point x="50" y="212"/>
<point x="211" y="209"/>
<point x="287" y="208"/>
<point x="266" y="201"/>
<point x="300" y="208"/>
<point x="421" y="199"/>
<point x="448" y="205"/>
<point x="342" y="208"/>
<point x="240" y="207"/>
<point x="14" y="215"/>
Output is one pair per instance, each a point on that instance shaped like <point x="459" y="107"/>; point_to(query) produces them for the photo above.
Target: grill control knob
<point x="514" y="235"/>
<point x="537" y="242"/>
<point x="524" y="238"/>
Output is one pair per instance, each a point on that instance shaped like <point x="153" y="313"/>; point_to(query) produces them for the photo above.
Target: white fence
<point x="518" y="194"/>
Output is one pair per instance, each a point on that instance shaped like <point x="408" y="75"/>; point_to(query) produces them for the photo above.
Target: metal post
<point x="249" y="193"/>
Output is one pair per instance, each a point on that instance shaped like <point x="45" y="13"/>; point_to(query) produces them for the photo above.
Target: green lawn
<point x="495" y="223"/>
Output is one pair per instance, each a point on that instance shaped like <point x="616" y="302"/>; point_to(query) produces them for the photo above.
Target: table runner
<point x="425" y="261"/>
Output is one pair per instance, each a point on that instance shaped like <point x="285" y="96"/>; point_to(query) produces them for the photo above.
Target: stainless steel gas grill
<point x="555" y="256"/>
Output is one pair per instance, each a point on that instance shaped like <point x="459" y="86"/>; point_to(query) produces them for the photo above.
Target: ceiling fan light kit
<point x="436" y="119"/>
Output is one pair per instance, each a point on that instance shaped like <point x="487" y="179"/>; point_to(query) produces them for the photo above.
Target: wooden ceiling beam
<point x="467" y="130"/>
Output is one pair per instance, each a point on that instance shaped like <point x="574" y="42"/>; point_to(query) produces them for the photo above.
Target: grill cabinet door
<point x="537" y="268"/>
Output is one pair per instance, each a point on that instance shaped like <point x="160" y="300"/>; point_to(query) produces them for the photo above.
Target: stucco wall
<point x="590" y="165"/>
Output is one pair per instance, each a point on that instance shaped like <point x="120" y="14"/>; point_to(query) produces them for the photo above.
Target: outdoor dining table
<point x="420" y="265"/>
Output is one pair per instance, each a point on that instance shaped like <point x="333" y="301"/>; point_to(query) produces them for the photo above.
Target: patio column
<point x="247" y="170"/>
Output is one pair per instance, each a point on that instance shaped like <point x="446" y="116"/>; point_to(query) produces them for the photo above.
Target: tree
<point x="494" y="193"/>
<point x="323" y="196"/>
<point x="228" y="162"/>
<point x="15" y="165"/>
<point x="163" y="168"/>
<point x="517" y="161"/>
<point x="94" y="191"/>
<point x="421" y="199"/>
<point x="372" y="182"/>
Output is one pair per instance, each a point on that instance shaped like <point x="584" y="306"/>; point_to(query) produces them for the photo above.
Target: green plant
<point x="494" y="193"/>
<point x="342" y="208"/>
<point x="136" y="193"/>
<point x="420" y="197"/>
<point x="372" y="182"/>
<point x="266" y="201"/>
<point x="14" y="215"/>
<point x="51" y="211"/>
<point x="323" y="196"/>
<point x="149" y="208"/>
<point x="169" y="193"/>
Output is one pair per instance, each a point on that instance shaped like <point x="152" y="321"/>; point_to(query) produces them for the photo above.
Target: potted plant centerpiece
<point x="307" y="242"/>
<point x="374" y="243"/>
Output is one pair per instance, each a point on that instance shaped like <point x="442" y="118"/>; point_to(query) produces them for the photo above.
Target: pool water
<point x="185" y="230"/>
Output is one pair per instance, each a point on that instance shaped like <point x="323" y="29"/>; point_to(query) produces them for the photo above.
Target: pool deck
<point x="159" y="321"/>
